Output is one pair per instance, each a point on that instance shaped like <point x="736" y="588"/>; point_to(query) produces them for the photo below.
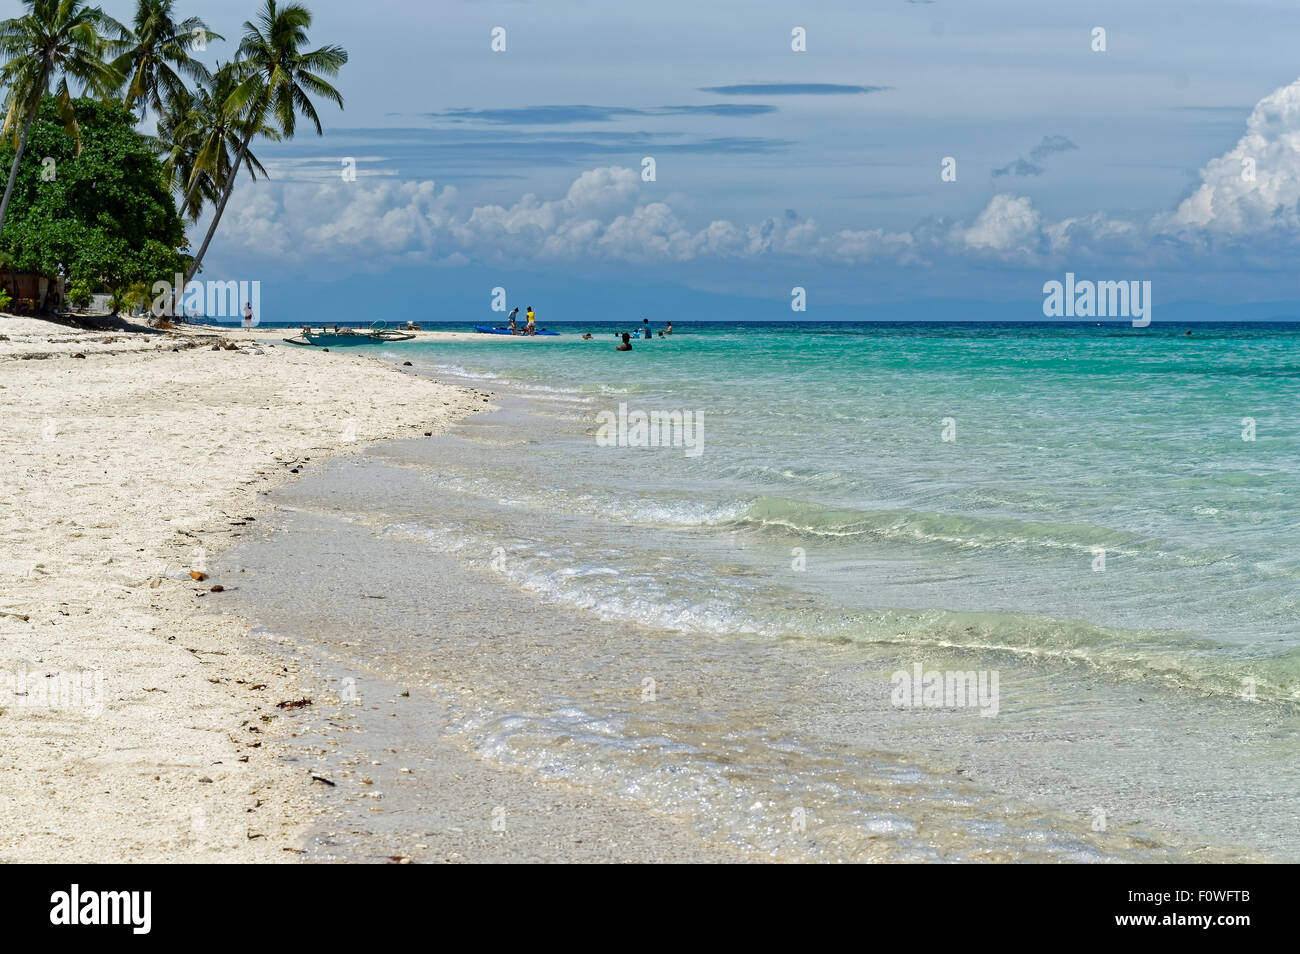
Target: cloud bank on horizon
<point x="1246" y="199"/>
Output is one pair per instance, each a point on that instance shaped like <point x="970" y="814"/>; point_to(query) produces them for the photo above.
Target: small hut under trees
<point x="31" y="292"/>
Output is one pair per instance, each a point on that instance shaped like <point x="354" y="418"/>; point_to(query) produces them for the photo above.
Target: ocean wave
<point x="542" y="392"/>
<point x="633" y="509"/>
<point x="800" y="518"/>
<point x="1174" y="660"/>
<point x="466" y="372"/>
<point x="704" y="601"/>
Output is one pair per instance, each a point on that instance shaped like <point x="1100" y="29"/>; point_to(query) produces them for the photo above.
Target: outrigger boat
<point x="485" y="330"/>
<point x="342" y="337"/>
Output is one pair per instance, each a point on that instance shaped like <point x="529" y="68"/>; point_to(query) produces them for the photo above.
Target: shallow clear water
<point x="1068" y="441"/>
<point x="866" y="500"/>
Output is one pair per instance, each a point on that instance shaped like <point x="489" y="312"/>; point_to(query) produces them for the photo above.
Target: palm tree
<point x="224" y="126"/>
<point x="177" y="142"/>
<point x="55" y="40"/>
<point x="280" y="77"/>
<point x="152" y="52"/>
<point x="200" y="132"/>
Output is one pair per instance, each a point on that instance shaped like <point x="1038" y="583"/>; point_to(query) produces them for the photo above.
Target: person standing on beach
<point x="514" y="328"/>
<point x="248" y="315"/>
<point x="532" y="328"/>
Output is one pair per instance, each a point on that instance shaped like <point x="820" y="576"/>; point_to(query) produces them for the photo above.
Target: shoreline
<point x="535" y="684"/>
<point x="278" y="334"/>
<point x="1071" y="720"/>
<point x="397" y="783"/>
<point x="136" y="458"/>
<point x="228" y="727"/>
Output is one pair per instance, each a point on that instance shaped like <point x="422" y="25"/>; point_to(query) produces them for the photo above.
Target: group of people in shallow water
<point x="645" y="332"/>
<point x="530" y="328"/>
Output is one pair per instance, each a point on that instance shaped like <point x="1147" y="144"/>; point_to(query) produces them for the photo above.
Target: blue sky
<point x="776" y="168"/>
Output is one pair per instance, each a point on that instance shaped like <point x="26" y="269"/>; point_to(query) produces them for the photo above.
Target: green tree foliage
<point x="54" y="42"/>
<point x="104" y="215"/>
<point x="80" y="294"/>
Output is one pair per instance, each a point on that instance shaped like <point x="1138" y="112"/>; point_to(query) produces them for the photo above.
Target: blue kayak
<point x="485" y="330"/>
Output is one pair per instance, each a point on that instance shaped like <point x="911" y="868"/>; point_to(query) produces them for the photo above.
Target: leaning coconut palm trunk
<point x="272" y="59"/>
<point x="201" y="131"/>
<point x="219" y="121"/>
<point x="30" y="118"/>
<point x="216" y="215"/>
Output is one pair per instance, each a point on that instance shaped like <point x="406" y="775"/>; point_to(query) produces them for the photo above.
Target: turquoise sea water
<point x="1070" y="507"/>
<point x="1066" y="440"/>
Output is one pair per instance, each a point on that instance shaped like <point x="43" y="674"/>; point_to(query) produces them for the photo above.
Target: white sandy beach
<point x="136" y="728"/>
<point x="123" y="469"/>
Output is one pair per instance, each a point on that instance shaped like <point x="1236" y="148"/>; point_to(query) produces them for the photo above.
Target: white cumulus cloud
<point x="1008" y="223"/>
<point x="1254" y="186"/>
<point x="599" y="217"/>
